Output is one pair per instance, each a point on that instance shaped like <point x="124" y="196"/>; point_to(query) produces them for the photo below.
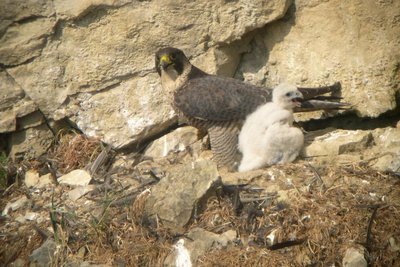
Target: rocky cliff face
<point x="354" y="42"/>
<point x="91" y="62"/>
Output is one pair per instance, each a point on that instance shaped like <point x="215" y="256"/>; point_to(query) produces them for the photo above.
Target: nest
<point x="74" y="151"/>
<point x="350" y="206"/>
<point x="317" y="214"/>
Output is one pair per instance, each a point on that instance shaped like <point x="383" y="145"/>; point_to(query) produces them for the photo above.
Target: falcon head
<point x="287" y="96"/>
<point x="171" y="60"/>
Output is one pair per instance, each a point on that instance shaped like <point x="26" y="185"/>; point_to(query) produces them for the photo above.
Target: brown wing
<point x="216" y="98"/>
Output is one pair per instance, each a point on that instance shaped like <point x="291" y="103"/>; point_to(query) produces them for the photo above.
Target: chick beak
<point x="165" y="61"/>
<point x="297" y="101"/>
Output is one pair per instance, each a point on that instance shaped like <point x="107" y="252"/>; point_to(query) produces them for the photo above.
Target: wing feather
<point x="311" y="93"/>
<point x="219" y="98"/>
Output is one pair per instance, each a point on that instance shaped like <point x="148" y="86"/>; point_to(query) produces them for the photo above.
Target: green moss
<point x="3" y="170"/>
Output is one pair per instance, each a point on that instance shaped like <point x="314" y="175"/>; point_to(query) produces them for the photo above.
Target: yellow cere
<point x="166" y="59"/>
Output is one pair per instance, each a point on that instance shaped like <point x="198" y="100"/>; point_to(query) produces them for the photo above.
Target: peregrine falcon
<point x="267" y="136"/>
<point x="218" y="105"/>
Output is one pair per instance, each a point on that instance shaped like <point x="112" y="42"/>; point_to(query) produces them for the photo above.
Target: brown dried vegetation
<point x="74" y="151"/>
<point x="327" y="220"/>
<point x="317" y="217"/>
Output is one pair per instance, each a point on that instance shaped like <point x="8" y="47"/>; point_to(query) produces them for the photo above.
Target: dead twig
<point x="8" y="189"/>
<point x="318" y="176"/>
<point x="44" y="234"/>
<point x="100" y="160"/>
<point x="128" y="199"/>
<point x="285" y="244"/>
<point x="368" y="240"/>
<point x="237" y="203"/>
<point x="255" y="199"/>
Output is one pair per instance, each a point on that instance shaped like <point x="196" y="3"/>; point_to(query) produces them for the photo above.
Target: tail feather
<point x="309" y="93"/>
<point x="311" y="105"/>
<point x="224" y="140"/>
<point x="326" y="97"/>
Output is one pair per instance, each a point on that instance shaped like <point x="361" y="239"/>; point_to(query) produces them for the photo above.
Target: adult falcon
<point x="218" y="105"/>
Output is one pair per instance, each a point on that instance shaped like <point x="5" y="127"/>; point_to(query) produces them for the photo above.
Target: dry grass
<point x="329" y="221"/>
<point x="251" y="256"/>
<point x="74" y="151"/>
<point x="126" y="237"/>
<point x="330" y="213"/>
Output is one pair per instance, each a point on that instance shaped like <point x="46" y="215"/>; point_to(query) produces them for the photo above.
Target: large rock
<point x="31" y="143"/>
<point x="338" y="142"/>
<point x="24" y="41"/>
<point x="98" y="66"/>
<point x="43" y="256"/>
<point x="76" y="178"/>
<point x="354" y="257"/>
<point x="13" y="103"/>
<point x="92" y="61"/>
<point x="22" y="12"/>
<point x="45" y="181"/>
<point x="176" y="141"/>
<point x="17" y="10"/>
<point x="31" y="178"/>
<point x="380" y="148"/>
<point x="320" y="42"/>
<point x="184" y="190"/>
<point x="77" y="8"/>
<point x="386" y="149"/>
<point x="80" y="191"/>
<point x="18" y="203"/>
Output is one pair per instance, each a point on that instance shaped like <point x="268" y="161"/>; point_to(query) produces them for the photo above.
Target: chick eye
<point x="287" y="94"/>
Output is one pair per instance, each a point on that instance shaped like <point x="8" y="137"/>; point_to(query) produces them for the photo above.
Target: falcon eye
<point x="172" y="56"/>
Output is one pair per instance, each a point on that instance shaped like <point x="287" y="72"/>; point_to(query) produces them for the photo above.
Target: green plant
<point x="3" y="170"/>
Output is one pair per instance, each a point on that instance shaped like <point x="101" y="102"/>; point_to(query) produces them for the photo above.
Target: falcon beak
<point x="297" y="101"/>
<point x="165" y="61"/>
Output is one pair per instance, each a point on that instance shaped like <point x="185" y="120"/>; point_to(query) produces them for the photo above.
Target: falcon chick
<point x="218" y="105"/>
<point x="267" y="136"/>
